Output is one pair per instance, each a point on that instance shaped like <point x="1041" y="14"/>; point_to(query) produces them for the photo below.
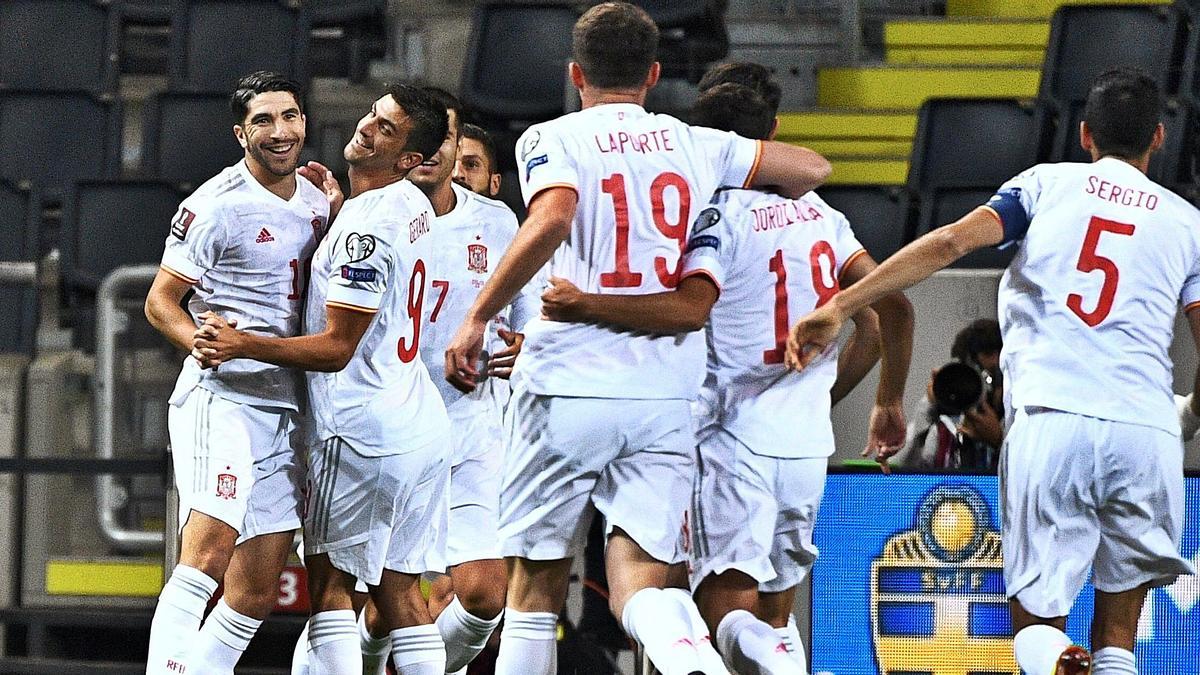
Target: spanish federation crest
<point x="938" y="604"/>
<point x="226" y="486"/>
<point x="477" y="258"/>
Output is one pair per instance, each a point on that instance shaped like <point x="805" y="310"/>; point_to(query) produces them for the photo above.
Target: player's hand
<point x="885" y="435"/>
<point x="812" y="335"/>
<point x="501" y="363"/>
<point x="983" y="424"/>
<point x="562" y="301"/>
<point x="319" y="175"/>
<point x="463" y="354"/>
<point x="216" y="341"/>
<point x="1189" y="421"/>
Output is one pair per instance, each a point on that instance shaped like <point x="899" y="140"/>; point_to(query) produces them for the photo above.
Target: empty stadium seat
<point x="946" y="205"/>
<point x="58" y="45"/>
<point x="692" y="35"/>
<point x="347" y="35"/>
<point x="18" y="243"/>
<point x="1086" y="41"/>
<point x="878" y="215"/>
<point x="517" y="58"/>
<point x="1174" y="163"/>
<point x="215" y="42"/>
<point x="189" y="138"/>
<point x="674" y="13"/>
<point x="55" y="139"/>
<point x="972" y="143"/>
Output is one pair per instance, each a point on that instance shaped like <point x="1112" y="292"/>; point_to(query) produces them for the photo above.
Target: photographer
<point x="961" y="425"/>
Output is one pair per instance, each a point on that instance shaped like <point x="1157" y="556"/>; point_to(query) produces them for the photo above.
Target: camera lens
<point x="956" y="388"/>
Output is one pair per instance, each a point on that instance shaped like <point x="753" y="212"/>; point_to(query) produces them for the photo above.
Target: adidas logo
<point x="264" y="237"/>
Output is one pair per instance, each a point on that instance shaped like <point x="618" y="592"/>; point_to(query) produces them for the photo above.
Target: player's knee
<point x="485" y="601"/>
<point x="255" y="601"/>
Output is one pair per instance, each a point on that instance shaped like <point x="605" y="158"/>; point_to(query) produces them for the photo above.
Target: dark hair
<point x="449" y="101"/>
<point x="981" y="336"/>
<point x="752" y="75"/>
<point x="428" y="115"/>
<point x="260" y="82"/>
<point x="485" y="139"/>
<point x="736" y="108"/>
<point x="1123" y="109"/>
<point x="615" y="43"/>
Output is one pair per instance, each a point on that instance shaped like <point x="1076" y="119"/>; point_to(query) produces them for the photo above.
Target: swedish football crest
<point x="937" y="591"/>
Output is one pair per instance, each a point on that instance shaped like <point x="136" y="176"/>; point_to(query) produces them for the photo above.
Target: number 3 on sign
<point x="1090" y="261"/>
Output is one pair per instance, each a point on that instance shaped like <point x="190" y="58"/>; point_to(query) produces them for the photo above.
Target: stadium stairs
<point x="866" y="115"/>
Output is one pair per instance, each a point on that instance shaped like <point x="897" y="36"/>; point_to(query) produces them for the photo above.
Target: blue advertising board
<point x="910" y="580"/>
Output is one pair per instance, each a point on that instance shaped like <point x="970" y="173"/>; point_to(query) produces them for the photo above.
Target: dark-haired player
<point x="240" y="242"/>
<point x="600" y="417"/>
<point x="1091" y="472"/>
<point x="754" y="76"/>
<point x="477" y="168"/>
<point x="378" y="457"/>
<point x="765" y="435"/>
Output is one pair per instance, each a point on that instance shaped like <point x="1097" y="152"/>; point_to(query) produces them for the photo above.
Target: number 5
<point x="1090" y="261"/>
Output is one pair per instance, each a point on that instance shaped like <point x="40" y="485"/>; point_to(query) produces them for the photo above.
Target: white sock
<point x="1038" y="647"/>
<point x="221" y="641"/>
<point x="333" y="643"/>
<point x="794" y="642"/>
<point x="661" y="625"/>
<point x="1113" y="661"/>
<point x="418" y="650"/>
<point x="710" y="660"/>
<point x="464" y="633"/>
<point x="751" y="647"/>
<point x="177" y="617"/>
<point x="375" y="651"/>
<point x="528" y="644"/>
<point x="300" y="653"/>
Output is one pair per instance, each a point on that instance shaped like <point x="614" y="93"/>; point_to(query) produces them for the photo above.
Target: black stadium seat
<point x="517" y="58"/>
<point x="971" y="142"/>
<point x="58" y="45"/>
<point x="55" y="139"/>
<point x="189" y="138"/>
<point x="214" y="42"/>
<point x="18" y="243"/>
<point x="1173" y="163"/>
<point x="947" y="205"/>
<point x="878" y="214"/>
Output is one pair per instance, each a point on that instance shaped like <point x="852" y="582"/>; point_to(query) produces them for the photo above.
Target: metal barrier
<point x="111" y="321"/>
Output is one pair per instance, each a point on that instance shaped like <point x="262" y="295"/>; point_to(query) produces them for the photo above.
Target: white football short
<point x="631" y="459"/>
<point x="1079" y="492"/>
<point x="375" y="513"/>
<point x="754" y="514"/>
<point x="237" y="463"/>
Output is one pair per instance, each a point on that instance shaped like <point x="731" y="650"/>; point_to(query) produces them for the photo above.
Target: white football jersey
<point x="1087" y="307"/>
<point x="641" y="178"/>
<point x="373" y="261"/>
<point x="775" y="260"/>
<point x="467" y="243"/>
<point x="245" y="251"/>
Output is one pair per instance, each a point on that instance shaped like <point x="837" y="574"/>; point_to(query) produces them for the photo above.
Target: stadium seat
<point x="943" y="206"/>
<point x="1087" y="40"/>
<point x="189" y="138"/>
<point x="214" y="42"/>
<point x="18" y="243"/>
<point x="692" y="36"/>
<point x="347" y="35"/>
<point x="1174" y="163"/>
<point x="58" y="45"/>
<point x="971" y="143"/>
<point x="516" y="60"/>
<point x="55" y="139"/>
<point x="106" y="225"/>
<point x="675" y="13"/>
<point x="878" y="215"/>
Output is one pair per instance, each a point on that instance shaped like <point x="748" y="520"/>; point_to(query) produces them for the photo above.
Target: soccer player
<point x="600" y="418"/>
<point x="1091" y="470"/>
<point x="765" y="435"/>
<point x="238" y="242"/>
<point x="378" y="469"/>
<point x="476" y="167"/>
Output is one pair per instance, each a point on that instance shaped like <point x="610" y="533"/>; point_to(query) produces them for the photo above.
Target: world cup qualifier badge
<point x="226" y="486"/>
<point x="938" y="604"/>
<point x="477" y="258"/>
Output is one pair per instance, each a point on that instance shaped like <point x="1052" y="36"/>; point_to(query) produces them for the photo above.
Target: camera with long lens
<point x="960" y="386"/>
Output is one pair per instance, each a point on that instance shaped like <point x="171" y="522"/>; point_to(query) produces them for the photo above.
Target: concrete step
<point x="868" y="171"/>
<point x="907" y="87"/>
<point x="1027" y="9"/>
<point x="848" y="123"/>
<point x="965" y="42"/>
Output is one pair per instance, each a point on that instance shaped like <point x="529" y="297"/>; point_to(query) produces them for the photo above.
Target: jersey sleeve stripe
<point x="352" y="308"/>
<point x="994" y="212"/>
<point x="178" y="275"/>
<point x="702" y="273"/>
<point x="758" y="152"/>
<point x="1190" y="306"/>
<point x="846" y="265"/>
